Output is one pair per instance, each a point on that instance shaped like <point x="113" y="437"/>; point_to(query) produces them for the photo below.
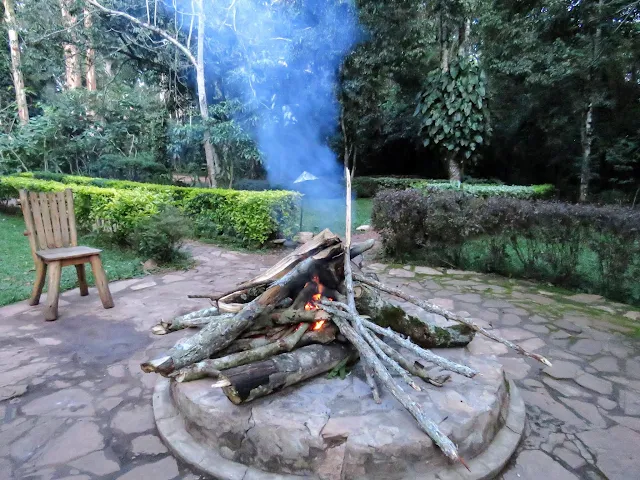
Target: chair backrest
<point x="50" y="220"/>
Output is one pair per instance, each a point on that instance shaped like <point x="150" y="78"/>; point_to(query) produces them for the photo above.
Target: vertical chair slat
<point x="28" y="220"/>
<point x="37" y="220"/>
<point x="46" y="219"/>
<point x="64" y="222"/>
<point x="72" y="218"/>
<point x="55" y="220"/>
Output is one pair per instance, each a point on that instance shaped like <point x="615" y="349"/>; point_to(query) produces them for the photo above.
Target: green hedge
<point x="524" y="192"/>
<point x="367" y="187"/>
<point x="592" y="248"/>
<point x="118" y="205"/>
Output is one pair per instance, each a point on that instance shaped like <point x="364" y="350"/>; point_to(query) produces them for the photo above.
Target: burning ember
<point x="318" y="325"/>
<point x="311" y="305"/>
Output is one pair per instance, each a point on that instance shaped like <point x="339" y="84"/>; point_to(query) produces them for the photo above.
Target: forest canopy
<point x="533" y="91"/>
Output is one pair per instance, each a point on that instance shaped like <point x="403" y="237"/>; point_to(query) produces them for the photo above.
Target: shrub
<point x="160" y="236"/>
<point x="485" y="190"/>
<point x="367" y="187"/>
<point x="117" y="206"/>
<point x="585" y="246"/>
<point x="115" y="213"/>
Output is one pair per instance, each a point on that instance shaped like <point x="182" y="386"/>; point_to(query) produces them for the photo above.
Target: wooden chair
<point x="51" y="228"/>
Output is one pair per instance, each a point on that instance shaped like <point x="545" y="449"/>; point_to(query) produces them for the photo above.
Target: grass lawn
<point x="17" y="270"/>
<point x="320" y="214"/>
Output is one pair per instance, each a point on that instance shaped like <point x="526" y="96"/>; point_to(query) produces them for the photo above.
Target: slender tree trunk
<point x="587" y="140"/>
<point x="587" y="126"/>
<point x="454" y="167"/>
<point x="16" y="63"/>
<point x="71" y="53"/>
<point x="213" y="164"/>
<point x="90" y="55"/>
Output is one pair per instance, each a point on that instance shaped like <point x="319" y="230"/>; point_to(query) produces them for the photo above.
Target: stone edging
<point x="173" y="432"/>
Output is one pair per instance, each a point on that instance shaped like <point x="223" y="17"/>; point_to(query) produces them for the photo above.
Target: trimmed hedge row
<point x="585" y="246"/>
<point x="523" y="192"/>
<point x="251" y="217"/>
<point x="368" y="187"/>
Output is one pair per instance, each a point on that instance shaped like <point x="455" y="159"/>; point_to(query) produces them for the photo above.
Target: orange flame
<point x="318" y="325"/>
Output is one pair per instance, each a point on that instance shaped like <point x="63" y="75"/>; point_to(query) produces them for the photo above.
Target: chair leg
<point x="41" y="273"/>
<point x="51" y="312"/>
<point x="82" y="280"/>
<point x="102" y="284"/>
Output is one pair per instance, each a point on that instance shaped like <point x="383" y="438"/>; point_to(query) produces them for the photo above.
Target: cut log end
<point x="160" y="329"/>
<point x="162" y="365"/>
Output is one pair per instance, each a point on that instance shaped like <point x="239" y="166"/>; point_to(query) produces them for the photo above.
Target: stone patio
<point x="74" y="403"/>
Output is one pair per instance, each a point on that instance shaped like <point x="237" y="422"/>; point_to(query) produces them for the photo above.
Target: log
<point x="414" y="368"/>
<point x="180" y="323"/>
<point x="396" y="337"/>
<point x="213" y="367"/>
<point x="325" y="335"/>
<point x="416" y="410"/>
<point x="348" y="283"/>
<point x="219" y="335"/>
<point x="290" y="315"/>
<point x="430" y="307"/>
<point x="249" y="382"/>
<point x="395" y="366"/>
<point x="370" y="303"/>
<point x="319" y="242"/>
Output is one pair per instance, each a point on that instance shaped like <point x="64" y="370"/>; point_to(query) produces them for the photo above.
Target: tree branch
<point x="148" y="26"/>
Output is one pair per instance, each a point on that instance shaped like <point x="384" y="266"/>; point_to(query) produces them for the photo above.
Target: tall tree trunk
<point x="587" y="126"/>
<point x="454" y="167"/>
<point x="71" y="53"/>
<point x="90" y="55"/>
<point x="213" y="164"/>
<point x="16" y="64"/>
<point x="587" y="140"/>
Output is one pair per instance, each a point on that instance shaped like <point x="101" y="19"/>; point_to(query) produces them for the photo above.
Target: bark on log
<point x="326" y="334"/>
<point x="430" y="307"/>
<point x="427" y="335"/>
<point x="414" y="368"/>
<point x="319" y="242"/>
<point x="396" y="337"/>
<point x="185" y="321"/>
<point x="262" y="378"/>
<point x="203" y="368"/>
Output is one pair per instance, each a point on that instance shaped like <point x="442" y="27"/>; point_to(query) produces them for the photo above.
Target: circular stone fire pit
<point x="332" y="429"/>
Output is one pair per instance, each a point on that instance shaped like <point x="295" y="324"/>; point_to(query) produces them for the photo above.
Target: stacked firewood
<point x="309" y="314"/>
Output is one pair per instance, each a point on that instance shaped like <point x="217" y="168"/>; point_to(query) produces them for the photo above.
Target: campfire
<point x="310" y="314"/>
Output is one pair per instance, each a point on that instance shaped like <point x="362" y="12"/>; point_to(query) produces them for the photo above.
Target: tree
<point x="90" y="54"/>
<point x="16" y="63"/>
<point x="72" y="56"/>
<point x="453" y="105"/>
<point x="213" y="167"/>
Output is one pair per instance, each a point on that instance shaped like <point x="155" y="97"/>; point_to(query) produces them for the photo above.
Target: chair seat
<point x="54" y="254"/>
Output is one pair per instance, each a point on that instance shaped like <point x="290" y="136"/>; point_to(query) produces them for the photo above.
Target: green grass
<point x="320" y="214"/>
<point x="17" y="270"/>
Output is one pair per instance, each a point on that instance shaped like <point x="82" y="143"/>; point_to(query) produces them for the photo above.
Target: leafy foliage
<point x="160" y="236"/>
<point x="453" y="109"/>
<point x="117" y="206"/>
<point x="584" y="246"/>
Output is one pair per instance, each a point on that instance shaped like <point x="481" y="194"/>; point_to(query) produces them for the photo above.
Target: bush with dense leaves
<point x="160" y="236"/>
<point x="367" y="187"/>
<point x="596" y="248"/>
<point x="118" y="205"/>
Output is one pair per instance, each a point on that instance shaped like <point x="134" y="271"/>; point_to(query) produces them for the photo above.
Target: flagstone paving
<point x="74" y="403"/>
